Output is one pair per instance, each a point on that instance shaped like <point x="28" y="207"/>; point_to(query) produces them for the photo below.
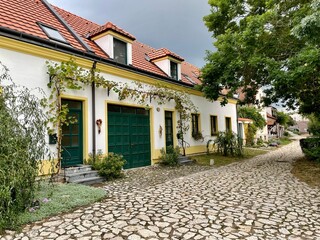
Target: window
<point x="195" y="123"/>
<point x="214" y="125"/>
<point x="119" y="51"/>
<point x="53" y="33"/>
<point x="228" y="124"/>
<point x="174" y="70"/>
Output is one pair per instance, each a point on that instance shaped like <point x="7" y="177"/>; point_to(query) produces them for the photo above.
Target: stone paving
<point x="254" y="199"/>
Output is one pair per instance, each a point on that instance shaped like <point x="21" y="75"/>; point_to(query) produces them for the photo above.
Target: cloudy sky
<point x="174" y="24"/>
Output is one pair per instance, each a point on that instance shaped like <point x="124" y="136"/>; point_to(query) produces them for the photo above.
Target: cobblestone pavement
<point x="254" y="199"/>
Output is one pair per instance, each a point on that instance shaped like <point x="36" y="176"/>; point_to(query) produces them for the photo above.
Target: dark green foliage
<point x="314" y="125"/>
<point x="228" y="143"/>
<point x="284" y="119"/>
<point x="170" y="156"/>
<point x="253" y="114"/>
<point x="111" y="166"/>
<point x="260" y="142"/>
<point x="22" y="146"/>
<point x="265" y="43"/>
<point x="311" y="148"/>
<point x="258" y="122"/>
<point x="252" y="129"/>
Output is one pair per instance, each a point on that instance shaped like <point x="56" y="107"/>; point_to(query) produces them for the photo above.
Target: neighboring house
<point x="33" y="31"/>
<point x="274" y="128"/>
<point x="301" y="123"/>
<point x="243" y="124"/>
<point x="261" y="133"/>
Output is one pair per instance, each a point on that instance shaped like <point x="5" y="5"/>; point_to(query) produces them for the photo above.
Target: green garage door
<point x="129" y="134"/>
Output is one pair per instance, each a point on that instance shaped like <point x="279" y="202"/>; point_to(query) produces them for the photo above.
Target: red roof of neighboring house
<point x="25" y="16"/>
<point x="245" y="120"/>
<point x="270" y="116"/>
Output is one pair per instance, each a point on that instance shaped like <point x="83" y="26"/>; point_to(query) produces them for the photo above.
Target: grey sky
<point x="174" y="24"/>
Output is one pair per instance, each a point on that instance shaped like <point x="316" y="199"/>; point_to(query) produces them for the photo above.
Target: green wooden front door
<point x="129" y="134"/>
<point x="168" y="128"/>
<point x="72" y="136"/>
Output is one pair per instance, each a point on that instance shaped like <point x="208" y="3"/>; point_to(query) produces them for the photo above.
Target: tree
<point x="314" y="125"/>
<point x="22" y="147"/>
<point x="284" y="119"/>
<point x="271" y="43"/>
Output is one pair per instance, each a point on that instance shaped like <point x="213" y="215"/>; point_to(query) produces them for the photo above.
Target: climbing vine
<point x="68" y="75"/>
<point x="63" y="76"/>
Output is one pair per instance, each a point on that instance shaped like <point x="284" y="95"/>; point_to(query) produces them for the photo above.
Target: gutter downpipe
<point x="93" y="94"/>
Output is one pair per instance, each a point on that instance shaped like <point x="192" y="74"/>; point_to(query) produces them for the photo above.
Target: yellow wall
<point x="48" y="167"/>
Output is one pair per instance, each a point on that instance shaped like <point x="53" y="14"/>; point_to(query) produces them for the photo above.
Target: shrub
<point x="95" y="160"/>
<point x="252" y="129"/>
<point x="22" y="145"/>
<point x="110" y="166"/>
<point x="170" y="157"/>
<point x="260" y="142"/>
<point x="228" y="143"/>
<point x="311" y="148"/>
<point x="314" y="125"/>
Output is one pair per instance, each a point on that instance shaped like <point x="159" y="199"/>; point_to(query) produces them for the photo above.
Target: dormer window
<point x="168" y="62"/>
<point x="53" y="33"/>
<point x="174" y="70"/>
<point x="116" y="42"/>
<point x="119" y="51"/>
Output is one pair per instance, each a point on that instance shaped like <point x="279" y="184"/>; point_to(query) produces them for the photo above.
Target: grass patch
<point x="59" y="198"/>
<point x="307" y="171"/>
<point x="225" y="160"/>
<point x="285" y="141"/>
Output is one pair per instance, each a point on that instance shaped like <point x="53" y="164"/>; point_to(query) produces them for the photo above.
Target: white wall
<point x="31" y="71"/>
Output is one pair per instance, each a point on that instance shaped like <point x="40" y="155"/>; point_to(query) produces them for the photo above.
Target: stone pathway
<point x="253" y="199"/>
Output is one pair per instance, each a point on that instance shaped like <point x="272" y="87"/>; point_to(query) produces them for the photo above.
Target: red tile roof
<point x="110" y="26"/>
<point x="245" y="120"/>
<point x="190" y="71"/>
<point x="82" y="27"/>
<point x="24" y="16"/>
<point x="163" y="52"/>
<point x="139" y="59"/>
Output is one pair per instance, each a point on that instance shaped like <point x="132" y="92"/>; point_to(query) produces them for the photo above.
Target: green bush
<point x="170" y="156"/>
<point x="252" y="129"/>
<point x="111" y="166"/>
<point x="95" y="160"/>
<point x="228" y="143"/>
<point x="22" y="145"/>
<point x="311" y="148"/>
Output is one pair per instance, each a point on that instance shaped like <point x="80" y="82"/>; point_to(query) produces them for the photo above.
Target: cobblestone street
<point x="253" y="199"/>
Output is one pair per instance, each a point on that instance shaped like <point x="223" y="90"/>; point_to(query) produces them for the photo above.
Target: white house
<point x="33" y="32"/>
